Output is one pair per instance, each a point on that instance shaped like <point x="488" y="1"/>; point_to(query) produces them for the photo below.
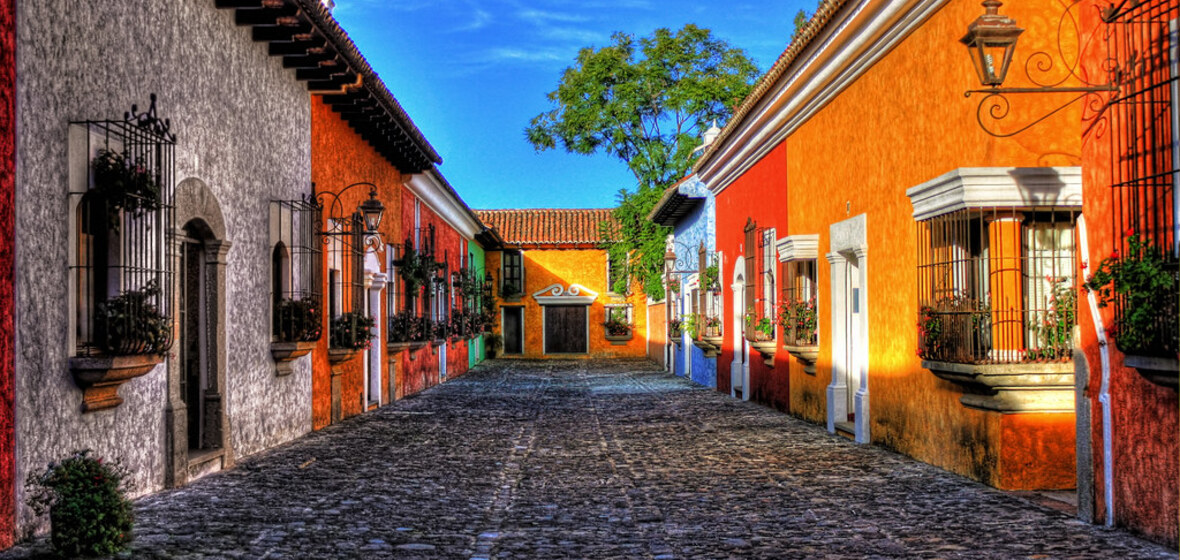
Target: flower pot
<point x="284" y="353"/>
<point x="620" y="339"/>
<point x="100" y="377"/>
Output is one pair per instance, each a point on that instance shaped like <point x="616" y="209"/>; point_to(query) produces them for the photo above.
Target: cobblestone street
<point x="595" y="460"/>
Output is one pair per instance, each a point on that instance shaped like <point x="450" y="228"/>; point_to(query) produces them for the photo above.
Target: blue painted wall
<point x="696" y="227"/>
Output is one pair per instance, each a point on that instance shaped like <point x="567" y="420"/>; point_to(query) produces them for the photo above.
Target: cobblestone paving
<point x="595" y="460"/>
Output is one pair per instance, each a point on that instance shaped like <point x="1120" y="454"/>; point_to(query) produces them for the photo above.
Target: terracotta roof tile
<point x="549" y="226"/>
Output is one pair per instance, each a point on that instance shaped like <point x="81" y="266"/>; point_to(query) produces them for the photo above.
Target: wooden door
<point x="565" y="329"/>
<point x="513" y="329"/>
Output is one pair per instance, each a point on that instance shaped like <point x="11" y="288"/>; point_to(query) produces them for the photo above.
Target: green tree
<point x="645" y="101"/>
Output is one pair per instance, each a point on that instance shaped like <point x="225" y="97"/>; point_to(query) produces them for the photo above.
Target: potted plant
<point x="297" y="326"/>
<point x="799" y="321"/>
<point x="510" y="292"/>
<point x="710" y="279"/>
<point x="674" y="285"/>
<point x="675" y="330"/>
<point x="132" y="338"/>
<point x="955" y="329"/>
<point x="1144" y="286"/>
<point x="124" y="185"/>
<point x="85" y="498"/>
<point x="349" y="333"/>
<point x="1053" y="330"/>
<point x="618" y="331"/>
<point x="401" y="332"/>
<point x="760" y="333"/>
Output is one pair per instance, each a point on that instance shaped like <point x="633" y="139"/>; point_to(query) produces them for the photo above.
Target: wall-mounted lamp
<point x="991" y="43"/>
<point x="368" y="212"/>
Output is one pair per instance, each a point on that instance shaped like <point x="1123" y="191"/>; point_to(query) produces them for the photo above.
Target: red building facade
<point x="747" y="279"/>
<point x="1128" y="409"/>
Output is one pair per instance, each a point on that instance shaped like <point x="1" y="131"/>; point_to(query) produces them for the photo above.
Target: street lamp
<point x="369" y="212"/>
<point x="991" y="39"/>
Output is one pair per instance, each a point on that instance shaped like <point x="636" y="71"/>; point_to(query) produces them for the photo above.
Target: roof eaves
<point x="824" y="14"/>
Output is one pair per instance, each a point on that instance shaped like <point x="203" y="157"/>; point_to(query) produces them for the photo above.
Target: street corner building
<point x="559" y="292"/>
<point x="196" y="258"/>
<point x="917" y="283"/>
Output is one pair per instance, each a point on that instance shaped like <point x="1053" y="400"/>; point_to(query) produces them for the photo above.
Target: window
<point x="997" y="286"/>
<point x="296" y="269"/>
<point x="799" y="309"/>
<point x="512" y="274"/>
<point x="760" y="281"/>
<point x="121" y="206"/>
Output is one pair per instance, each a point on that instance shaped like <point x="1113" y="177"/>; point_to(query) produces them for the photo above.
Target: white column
<point x="376" y="282"/>
<point x="837" y="390"/>
<point x="861" y="398"/>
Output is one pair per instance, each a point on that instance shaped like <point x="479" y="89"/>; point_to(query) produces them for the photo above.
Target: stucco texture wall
<point x="585" y="267"/>
<point x="340" y="157"/>
<point x="420" y="369"/>
<point x="857" y="156"/>
<point x="1145" y="416"/>
<point x="93" y="61"/>
<point x="765" y="183"/>
<point x="7" y="244"/>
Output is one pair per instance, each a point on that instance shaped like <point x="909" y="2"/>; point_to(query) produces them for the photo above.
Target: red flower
<point x="1129" y="232"/>
<point x="1084" y="265"/>
<point x="1114" y="254"/>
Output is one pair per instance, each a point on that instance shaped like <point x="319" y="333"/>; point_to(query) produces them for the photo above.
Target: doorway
<point x="197" y="354"/>
<point x="513" y="330"/>
<point x="565" y="329"/>
<point x="848" y="392"/>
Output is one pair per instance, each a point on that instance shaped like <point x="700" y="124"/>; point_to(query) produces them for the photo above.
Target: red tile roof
<point x="549" y="226"/>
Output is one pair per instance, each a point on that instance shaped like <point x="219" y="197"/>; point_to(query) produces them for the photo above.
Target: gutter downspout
<point x="1104" y="390"/>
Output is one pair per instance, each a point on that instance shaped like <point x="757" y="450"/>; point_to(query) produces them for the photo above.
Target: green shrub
<point x="86" y="502"/>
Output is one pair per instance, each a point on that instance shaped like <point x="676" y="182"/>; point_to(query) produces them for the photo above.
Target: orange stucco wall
<point x="903" y="122"/>
<point x="586" y="267"/>
<point x="339" y="157"/>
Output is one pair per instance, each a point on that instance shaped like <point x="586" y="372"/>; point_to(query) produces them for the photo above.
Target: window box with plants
<point x="705" y="333"/>
<point x="401" y="332"/>
<point x="618" y="331"/>
<point x="132" y="338"/>
<point x="675" y="332"/>
<point x="297" y="327"/>
<point x="350" y="333"/>
<point x="760" y="333"/>
<point x="1143" y="286"/>
<point x="422" y="333"/>
<point x="799" y="321"/>
<point x="440" y="330"/>
<point x="511" y="293"/>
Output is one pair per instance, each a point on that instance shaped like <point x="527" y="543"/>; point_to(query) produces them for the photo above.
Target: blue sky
<point x="473" y="73"/>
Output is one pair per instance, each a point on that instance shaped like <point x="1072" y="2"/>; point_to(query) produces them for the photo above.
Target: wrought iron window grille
<point x="122" y="269"/>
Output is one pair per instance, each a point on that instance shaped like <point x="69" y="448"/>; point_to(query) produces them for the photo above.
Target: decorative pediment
<point x="556" y="294"/>
<point x="798" y="247"/>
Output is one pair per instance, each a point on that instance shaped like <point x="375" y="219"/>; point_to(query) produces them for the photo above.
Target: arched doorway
<point x="197" y="414"/>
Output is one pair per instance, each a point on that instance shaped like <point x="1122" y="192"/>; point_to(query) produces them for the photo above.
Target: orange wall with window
<point x="586" y="267"/>
<point x="903" y="122"/>
<point x="339" y="157"/>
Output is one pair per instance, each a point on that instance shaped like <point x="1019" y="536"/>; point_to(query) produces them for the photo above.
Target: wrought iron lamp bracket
<point x="331" y="200"/>
<point x="995" y="106"/>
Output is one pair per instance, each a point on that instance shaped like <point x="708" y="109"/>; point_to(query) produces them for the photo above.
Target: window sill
<point x="710" y="345"/>
<point x="284" y="353"/>
<point x="767" y="348"/>
<point x="1161" y="371"/>
<point x="620" y="339"/>
<point x="807" y="355"/>
<point x="100" y="377"/>
<point x="1011" y="388"/>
